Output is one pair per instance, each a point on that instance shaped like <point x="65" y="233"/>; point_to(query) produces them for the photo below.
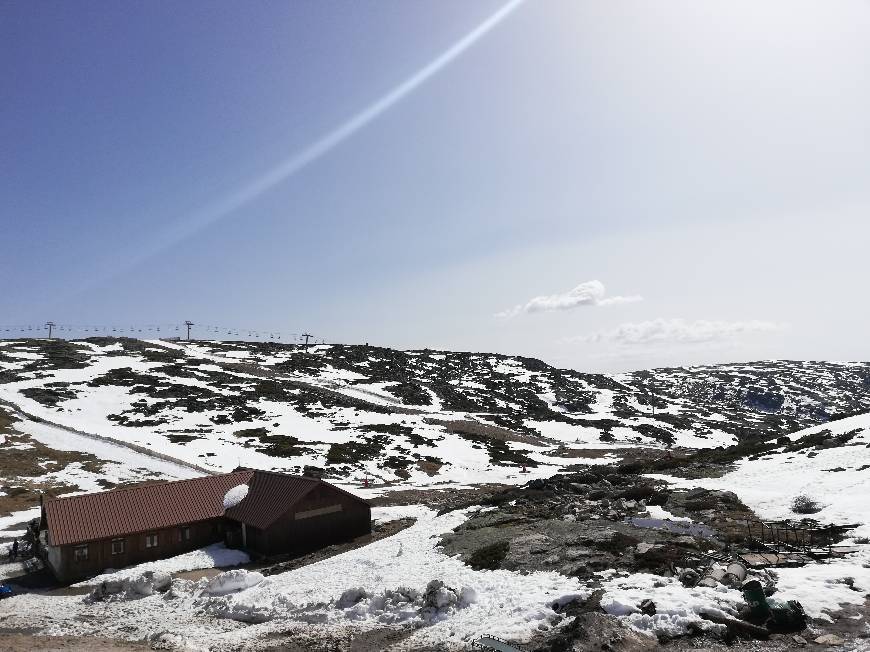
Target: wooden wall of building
<point x="170" y="542"/>
<point x="324" y="516"/>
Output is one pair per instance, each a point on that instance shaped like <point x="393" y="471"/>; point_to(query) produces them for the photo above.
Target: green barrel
<point x="753" y="593"/>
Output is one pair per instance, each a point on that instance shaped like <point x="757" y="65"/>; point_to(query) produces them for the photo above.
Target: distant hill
<point x="415" y="417"/>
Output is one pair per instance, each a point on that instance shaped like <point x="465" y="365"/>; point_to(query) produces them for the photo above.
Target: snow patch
<point x="214" y="556"/>
<point x="235" y="495"/>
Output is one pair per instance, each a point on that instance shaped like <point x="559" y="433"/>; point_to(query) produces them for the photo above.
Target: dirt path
<point x="23" y="642"/>
<point x="70" y="432"/>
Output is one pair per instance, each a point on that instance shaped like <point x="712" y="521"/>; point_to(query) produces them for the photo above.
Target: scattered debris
<point x="777" y="615"/>
<point x="789" y="543"/>
<point x="689" y="577"/>
<point x="738" y="628"/>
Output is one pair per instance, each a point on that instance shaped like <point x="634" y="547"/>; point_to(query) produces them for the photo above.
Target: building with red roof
<point x="263" y="512"/>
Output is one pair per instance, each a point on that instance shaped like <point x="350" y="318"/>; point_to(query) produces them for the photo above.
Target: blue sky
<point x="709" y="160"/>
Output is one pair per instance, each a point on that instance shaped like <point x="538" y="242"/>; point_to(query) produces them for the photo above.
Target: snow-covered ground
<point x="220" y="450"/>
<point x="401" y="581"/>
<point x="214" y="556"/>
<point x="17" y="518"/>
<point x="677" y="607"/>
<point x="382" y="584"/>
<point x="126" y="458"/>
<point x="137" y="393"/>
<point x="389" y="583"/>
<point x="838" y="478"/>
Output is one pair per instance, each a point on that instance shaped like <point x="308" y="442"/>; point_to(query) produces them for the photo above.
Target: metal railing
<point x="789" y="536"/>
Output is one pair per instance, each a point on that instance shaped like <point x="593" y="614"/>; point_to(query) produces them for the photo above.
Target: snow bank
<point x="369" y="586"/>
<point x="131" y="588"/>
<point x="214" y="556"/>
<point x="403" y="605"/>
<point x="235" y="495"/>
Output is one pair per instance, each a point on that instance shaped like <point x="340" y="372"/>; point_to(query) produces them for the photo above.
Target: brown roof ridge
<point x="312" y="479"/>
<point x="146" y="485"/>
<point x="344" y="491"/>
<point x="284" y="475"/>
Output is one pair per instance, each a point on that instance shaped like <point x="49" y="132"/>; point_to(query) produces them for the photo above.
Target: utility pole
<point x="188" y="324"/>
<point x="307" y="336"/>
<point x="49" y="325"/>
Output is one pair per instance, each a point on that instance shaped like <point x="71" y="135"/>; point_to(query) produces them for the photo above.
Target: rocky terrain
<point x="405" y="416"/>
<point x="554" y="509"/>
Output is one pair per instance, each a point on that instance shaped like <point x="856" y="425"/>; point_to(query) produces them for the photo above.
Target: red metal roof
<point x="88" y="517"/>
<point x="120" y="512"/>
<point x="270" y="495"/>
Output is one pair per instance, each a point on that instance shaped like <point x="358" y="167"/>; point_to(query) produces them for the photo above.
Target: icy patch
<point x="232" y="582"/>
<point x="677" y="527"/>
<point x="655" y="511"/>
<point x="235" y="495"/>
<point x="387" y="514"/>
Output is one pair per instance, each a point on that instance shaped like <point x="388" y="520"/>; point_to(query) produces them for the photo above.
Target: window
<point x="118" y="546"/>
<point x="150" y="540"/>
<point x="185" y="533"/>
<point x="80" y="553"/>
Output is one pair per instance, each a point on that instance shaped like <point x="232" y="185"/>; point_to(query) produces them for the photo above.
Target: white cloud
<point x="590" y="293"/>
<point x="679" y="331"/>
